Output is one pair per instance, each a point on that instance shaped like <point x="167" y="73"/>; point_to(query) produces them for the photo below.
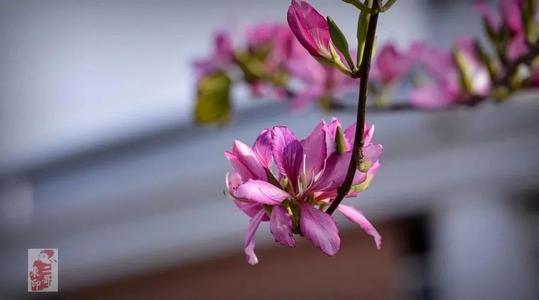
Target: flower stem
<point x="364" y="69"/>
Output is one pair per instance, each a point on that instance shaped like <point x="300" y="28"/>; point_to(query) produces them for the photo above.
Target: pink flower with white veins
<point x="289" y="182"/>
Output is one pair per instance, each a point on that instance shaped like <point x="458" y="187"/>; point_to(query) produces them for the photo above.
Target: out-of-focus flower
<point x="443" y="89"/>
<point x="454" y="78"/>
<point x="516" y="48"/>
<point x="390" y="65"/>
<point x="507" y="25"/>
<point x="510" y="15"/>
<point x="220" y="59"/>
<point x="319" y="82"/>
<point x="263" y="61"/>
<point x="311" y="29"/>
<point x="289" y="182"/>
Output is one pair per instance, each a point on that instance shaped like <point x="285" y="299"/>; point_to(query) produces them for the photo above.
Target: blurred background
<point x="99" y="158"/>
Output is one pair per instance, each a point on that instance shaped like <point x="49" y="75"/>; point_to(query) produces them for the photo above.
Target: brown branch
<point x="361" y="110"/>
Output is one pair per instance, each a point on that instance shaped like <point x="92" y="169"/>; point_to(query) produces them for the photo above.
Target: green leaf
<point x="339" y="40"/>
<point x="213" y="103"/>
<point x="362" y="25"/>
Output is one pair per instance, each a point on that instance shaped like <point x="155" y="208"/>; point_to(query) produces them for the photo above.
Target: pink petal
<point x="232" y="181"/>
<point x="292" y="160"/>
<point x="314" y="148"/>
<point x="309" y="27"/>
<point x="238" y="166"/>
<point x="223" y="45"/>
<point x="436" y="62"/>
<point x="390" y="65"/>
<point x="320" y="229"/>
<point x="487" y="13"/>
<point x="262" y="148"/>
<point x="282" y="137"/>
<point x="247" y="156"/>
<point x="517" y="47"/>
<point x="357" y="217"/>
<point x="431" y="97"/>
<point x="372" y="152"/>
<point x="511" y="14"/>
<point x="249" y="245"/>
<point x="331" y="132"/>
<point x="281" y="226"/>
<point x="334" y="172"/>
<point x="350" y="134"/>
<point x="250" y="208"/>
<point x="261" y="192"/>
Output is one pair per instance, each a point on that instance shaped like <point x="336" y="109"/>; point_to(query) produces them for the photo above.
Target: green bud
<point x="463" y="69"/>
<point x="340" y="142"/>
<point x="339" y="40"/>
<point x="362" y="25"/>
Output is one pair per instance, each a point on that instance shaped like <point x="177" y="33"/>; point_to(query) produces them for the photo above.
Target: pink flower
<point x="510" y="11"/>
<point x="270" y="46"/>
<point x="317" y="80"/>
<point x="445" y="88"/>
<point x="511" y="14"/>
<point x="390" y="65"/>
<point x="288" y="182"/>
<point x="221" y="57"/>
<point x="310" y="28"/>
<point x="510" y="18"/>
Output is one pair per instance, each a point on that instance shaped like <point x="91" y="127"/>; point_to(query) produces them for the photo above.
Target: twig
<point x="361" y="110"/>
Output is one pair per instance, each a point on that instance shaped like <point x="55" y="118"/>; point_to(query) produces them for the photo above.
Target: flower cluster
<point x="273" y="63"/>
<point x="289" y="182"/>
<point x="468" y="74"/>
<point x="301" y="62"/>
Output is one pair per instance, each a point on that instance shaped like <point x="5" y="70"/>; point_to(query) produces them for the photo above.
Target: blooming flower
<point x="289" y="182"/>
